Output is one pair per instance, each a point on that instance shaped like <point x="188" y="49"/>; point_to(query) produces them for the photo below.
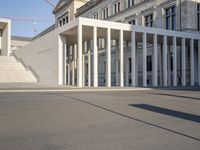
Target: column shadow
<point x="169" y="112"/>
<point x="173" y="95"/>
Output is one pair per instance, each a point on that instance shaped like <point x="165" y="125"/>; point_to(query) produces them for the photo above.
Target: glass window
<point x="132" y="22"/>
<point x="149" y="63"/>
<point x="170" y="17"/>
<point x="116" y="7"/>
<point x="63" y="21"/>
<point x="67" y="19"/>
<point x="130" y="65"/>
<point x="105" y="13"/>
<point x="60" y="23"/>
<point x="149" y="20"/>
<point x="130" y="3"/>
<point x="96" y="15"/>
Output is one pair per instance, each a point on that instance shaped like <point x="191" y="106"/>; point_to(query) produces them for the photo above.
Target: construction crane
<point x="31" y="20"/>
<point x="50" y="3"/>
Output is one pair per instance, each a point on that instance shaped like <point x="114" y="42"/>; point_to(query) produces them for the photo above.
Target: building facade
<point x="120" y="43"/>
<point x="5" y="37"/>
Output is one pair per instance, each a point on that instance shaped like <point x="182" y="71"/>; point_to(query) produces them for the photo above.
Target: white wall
<point x="42" y="56"/>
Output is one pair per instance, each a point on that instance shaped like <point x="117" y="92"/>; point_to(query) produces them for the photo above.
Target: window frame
<point x="170" y="17"/>
<point x="116" y="7"/>
<point x="149" y="20"/>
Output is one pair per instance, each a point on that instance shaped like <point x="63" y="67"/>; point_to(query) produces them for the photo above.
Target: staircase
<point x="12" y="71"/>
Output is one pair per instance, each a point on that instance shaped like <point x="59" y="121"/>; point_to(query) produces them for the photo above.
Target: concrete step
<point x="11" y="66"/>
<point x="5" y="59"/>
<point x="16" y="76"/>
<point x="12" y="71"/>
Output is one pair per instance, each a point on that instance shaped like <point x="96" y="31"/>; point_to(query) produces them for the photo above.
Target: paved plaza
<point x="105" y="120"/>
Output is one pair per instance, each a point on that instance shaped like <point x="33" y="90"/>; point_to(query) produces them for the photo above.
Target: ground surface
<point x="126" y="120"/>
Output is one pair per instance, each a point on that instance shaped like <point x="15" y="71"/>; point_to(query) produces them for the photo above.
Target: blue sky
<point x="33" y="9"/>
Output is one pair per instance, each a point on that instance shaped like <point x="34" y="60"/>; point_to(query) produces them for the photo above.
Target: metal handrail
<point x="27" y="67"/>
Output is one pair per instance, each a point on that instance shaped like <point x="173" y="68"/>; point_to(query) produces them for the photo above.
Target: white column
<point x="199" y="61"/>
<point x="68" y="66"/>
<point x="155" y="61"/>
<point x="165" y="60"/>
<point x="192" y="62"/>
<point x="79" y="46"/>
<point x="117" y="63"/>
<point x="89" y="64"/>
<point x="183" y="62"/>
<point x="144" y="53"/>
<point x="73" y="68"/>
<point x="65" y="63"/>
<point x="84" y="50"/>
<point x="127" y="66"/>
<point x="133" y="58"/>
<point x="95" y="57"/>
<point x="121" y="49"/>
<point x="161" y="65"/>
<point x="169" y="65"/>
<point x="108" y="59"/>
<point x="174" y="62"/>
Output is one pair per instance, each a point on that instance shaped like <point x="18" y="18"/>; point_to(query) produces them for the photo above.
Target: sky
<point x="31" y="9"/>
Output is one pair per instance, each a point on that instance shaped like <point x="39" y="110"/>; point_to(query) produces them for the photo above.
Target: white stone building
<point x="119" y="43"/>
<point x="5" y="37"/>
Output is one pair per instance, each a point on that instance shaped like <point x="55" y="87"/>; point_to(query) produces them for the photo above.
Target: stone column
<point x="174" y="62"/>
<point x="121" y="49"/>
<point x="89" y="64"/>
<point x="192" y="62"/>
<point x="108" y="59"/>
<point x="133" y="58"/>
<point x="155" y="61"/>
<point x="127" y="66"/>
<point x="183" y="62"/>
<point x="144" y="53"/>
<point x="95" y="58"/>
<point x="165" y="60"/>
<point x="79" y="46"/>
<point x="199" y="61"/>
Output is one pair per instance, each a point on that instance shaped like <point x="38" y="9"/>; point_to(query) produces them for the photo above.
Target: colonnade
<point x="77" y="60"/>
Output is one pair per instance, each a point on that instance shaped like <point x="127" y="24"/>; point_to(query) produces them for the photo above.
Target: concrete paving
<point x="113" y="120"/>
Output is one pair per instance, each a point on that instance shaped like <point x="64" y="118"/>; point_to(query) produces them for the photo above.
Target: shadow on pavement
<point x="169" y="112"/>
<point x="126" y="116"/>
<point x="173" y="95"/>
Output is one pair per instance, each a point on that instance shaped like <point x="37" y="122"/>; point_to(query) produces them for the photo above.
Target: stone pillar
<point x="144" y="53"/>
<point x="79" y="46"/>
<point x="127" y="66"/>
<point x="155" y="61"/>
<point x="192" y="62"/>
<point x="199" y="61"/>
<point x="117" y="63"/>
<point x="183" y="62"/>
<point x="73" y="66"/>
<point x="95" y="58"/>
<point x="121" y="49"/>
<point x="133" y="58"/>
<point x="174" y="62"/>
<point x="68" y="66"/>
<point x="108" y="59"/>
<point x="165" y="60"/>
<point x="89" y="64"/>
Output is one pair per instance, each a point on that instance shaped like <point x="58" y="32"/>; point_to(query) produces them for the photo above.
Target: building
<point x="119" y="43"/>
<point x="5" y="37"/>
